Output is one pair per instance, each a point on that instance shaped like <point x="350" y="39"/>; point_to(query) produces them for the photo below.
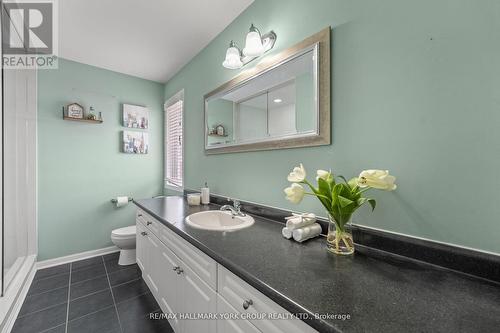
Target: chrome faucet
<point x="235" y="209"/>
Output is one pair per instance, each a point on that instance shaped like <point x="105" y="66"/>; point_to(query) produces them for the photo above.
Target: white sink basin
<point x="218" y="220"/>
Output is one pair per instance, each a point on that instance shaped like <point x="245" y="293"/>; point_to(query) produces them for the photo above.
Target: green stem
<point x="325" y="201"/>
<point x="310" y="185"/>
<point x="364" y="190"/>
<point x="316" y="195"/>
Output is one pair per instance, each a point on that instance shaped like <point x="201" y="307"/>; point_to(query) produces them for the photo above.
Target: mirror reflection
<point x="278" y="104"/>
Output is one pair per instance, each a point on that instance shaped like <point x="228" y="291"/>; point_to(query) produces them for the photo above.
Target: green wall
<point x="80" y="167"/>
<point x="414" y="90"/>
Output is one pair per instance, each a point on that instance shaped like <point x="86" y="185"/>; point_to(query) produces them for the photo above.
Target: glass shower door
<point x="19" y="148"/>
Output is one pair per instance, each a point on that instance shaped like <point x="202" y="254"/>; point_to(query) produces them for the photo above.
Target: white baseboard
<point x="16" y="293"/>
<point x="75" y="257"/>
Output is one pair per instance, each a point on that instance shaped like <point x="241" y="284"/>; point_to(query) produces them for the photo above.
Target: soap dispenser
<point x="205" y="194"/>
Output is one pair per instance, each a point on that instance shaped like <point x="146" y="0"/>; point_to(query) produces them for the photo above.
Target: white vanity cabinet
<point x="170" y="295"/>
<point x="230" y="324"/>
<point x="176" y="287"/>
<point x="187" y="282"/>
<point x="248" y="300"/>
<point x="140" y="247"/>
<point x="148" y="255"/>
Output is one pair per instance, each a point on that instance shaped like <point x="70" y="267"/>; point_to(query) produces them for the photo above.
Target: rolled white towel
<point x="299" y="221"/>
<point x="305" y="233"/>
<point x="310" y="216"/>
<point x="287" y="233"/>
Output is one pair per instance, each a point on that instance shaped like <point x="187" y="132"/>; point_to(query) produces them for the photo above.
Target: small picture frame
<point x="135" y="116"/>
<point x="135" y="142"/>
<point x="74" y="110"/>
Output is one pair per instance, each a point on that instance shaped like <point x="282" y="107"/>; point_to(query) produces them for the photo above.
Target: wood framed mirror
<point x="283" y="102"/>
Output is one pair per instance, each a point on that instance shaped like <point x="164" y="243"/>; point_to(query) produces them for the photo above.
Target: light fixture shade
<point x="253" y="45"/>
<point x="233" y="59"/>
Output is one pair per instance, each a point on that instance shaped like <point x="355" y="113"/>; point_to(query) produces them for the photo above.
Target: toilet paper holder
<point x="115" y="201"/>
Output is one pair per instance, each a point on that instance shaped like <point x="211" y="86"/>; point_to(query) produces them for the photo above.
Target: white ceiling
<point x="151" y="39"/>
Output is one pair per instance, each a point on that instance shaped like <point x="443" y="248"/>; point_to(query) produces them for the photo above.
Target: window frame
<point x="179" y="96"/>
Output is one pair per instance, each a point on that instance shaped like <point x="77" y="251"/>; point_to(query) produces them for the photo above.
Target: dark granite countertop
<point x="381" y="292"/>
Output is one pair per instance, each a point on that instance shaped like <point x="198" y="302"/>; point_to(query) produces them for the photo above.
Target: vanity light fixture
<point x="256" y="45"/>
<point x="233" y="57"/>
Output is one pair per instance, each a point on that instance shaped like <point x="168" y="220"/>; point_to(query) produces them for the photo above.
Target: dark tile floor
<point x="92" y="295"/>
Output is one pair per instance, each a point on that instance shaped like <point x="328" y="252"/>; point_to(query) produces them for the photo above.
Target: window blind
<point x="173" y="145"/>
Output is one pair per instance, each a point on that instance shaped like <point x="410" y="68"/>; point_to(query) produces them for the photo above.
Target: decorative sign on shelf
<point x="74" y="110"/>
<point x="218" y="130"/>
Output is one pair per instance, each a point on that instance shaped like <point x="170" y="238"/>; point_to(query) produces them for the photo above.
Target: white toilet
<point x="124" y="239"/>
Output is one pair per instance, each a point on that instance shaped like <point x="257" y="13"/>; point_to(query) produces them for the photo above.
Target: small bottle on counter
<point x="205" y="194"/>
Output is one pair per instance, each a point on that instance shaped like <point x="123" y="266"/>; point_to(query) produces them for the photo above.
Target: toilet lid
<point x="127" y="231"/>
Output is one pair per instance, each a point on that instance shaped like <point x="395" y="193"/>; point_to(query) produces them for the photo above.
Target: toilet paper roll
<point x="121" y="201"/>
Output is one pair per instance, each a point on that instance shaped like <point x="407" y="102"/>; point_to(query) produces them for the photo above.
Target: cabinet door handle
<point x="139" y="215"/>
<point x="180" y="270"/>
<point x="175" y="268"/>
<point x="247" y="303"/>
<point x="144" y="233"/>
<point x="149" y="223"/>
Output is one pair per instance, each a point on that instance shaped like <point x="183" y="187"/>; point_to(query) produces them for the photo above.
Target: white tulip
<point x="294" y="193"/>
<point x="297" y="175"/>
<point x="323" y="174"/>
<point x="379" y="179"/>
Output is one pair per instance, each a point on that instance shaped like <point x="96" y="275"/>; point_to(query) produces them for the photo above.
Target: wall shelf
<point x="83" y="120"/>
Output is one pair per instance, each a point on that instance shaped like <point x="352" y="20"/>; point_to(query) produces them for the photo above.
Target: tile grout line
<point x="51" y="328"/>
<point x="92" y="278"/>
<point x="44" y="292"/>
<point x="101" y="290"/>
<point x="77" y="270"/>
<point x="69" y="294"/>
<point x="91" y="294"/>
<point x="128" y="299"/>
<point x="50" y="277"/>
<point x="112" y="295"/>
<point x="137" y="296"/>
<point x="42" y="309"/>
<point x="129" y="281"/>
<point x="91" y="313"/>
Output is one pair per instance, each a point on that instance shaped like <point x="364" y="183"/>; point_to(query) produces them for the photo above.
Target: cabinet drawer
<point x="140" y="216"/>
<point x="235" y="291"/>
<point x="151" y="223"/>
<point x="199" y="262"/>
<point x="232" y="325"/>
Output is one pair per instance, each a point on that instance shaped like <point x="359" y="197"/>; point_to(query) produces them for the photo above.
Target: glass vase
<point x="339" y="239"/>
